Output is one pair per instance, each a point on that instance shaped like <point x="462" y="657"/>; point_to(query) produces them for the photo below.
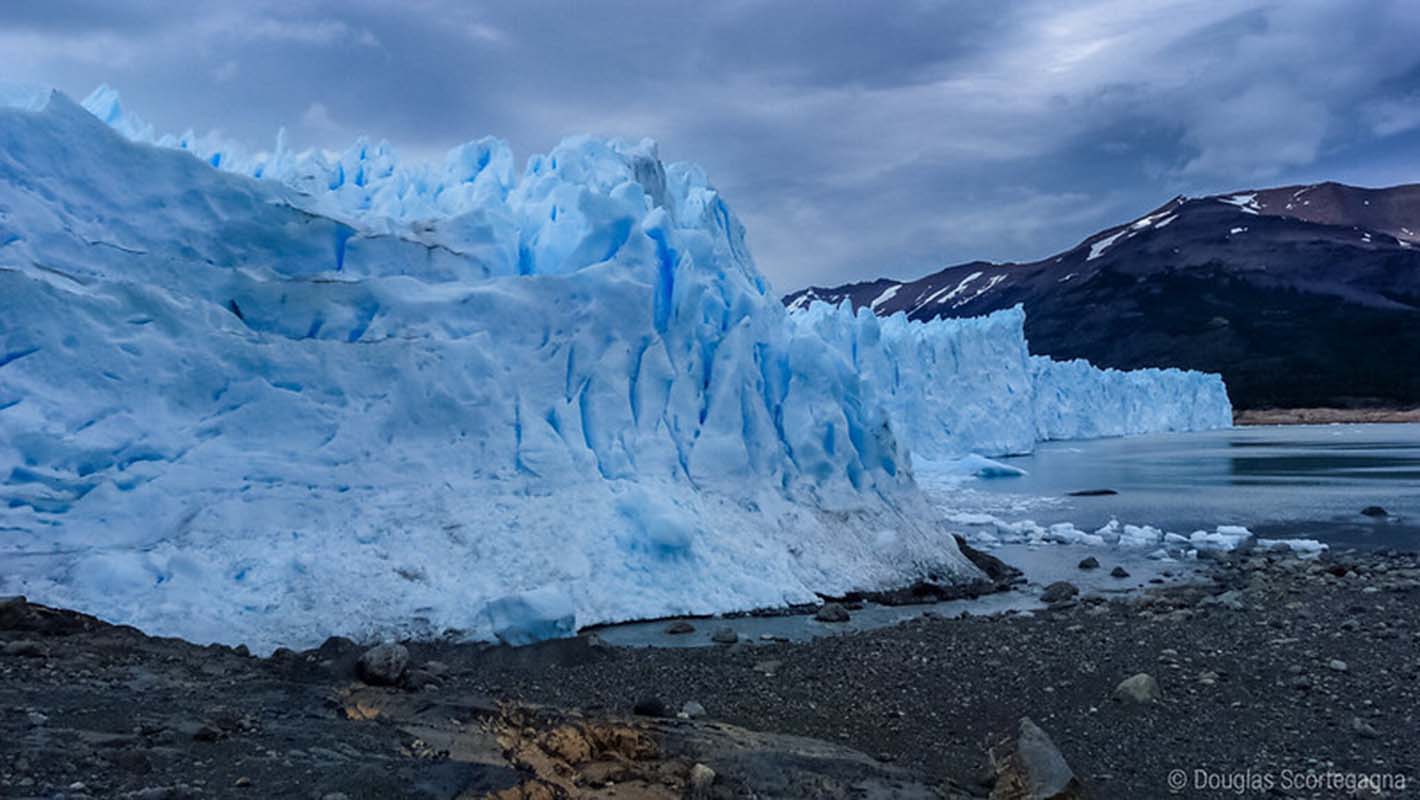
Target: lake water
<point x="1281" y="482"/>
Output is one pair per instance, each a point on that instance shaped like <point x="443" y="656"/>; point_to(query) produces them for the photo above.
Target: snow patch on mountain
<point x="1247" y="203"/>
<point x="1098" y="248"/>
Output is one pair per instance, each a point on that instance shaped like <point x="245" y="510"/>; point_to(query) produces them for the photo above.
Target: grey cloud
<point x="854" y="138"/>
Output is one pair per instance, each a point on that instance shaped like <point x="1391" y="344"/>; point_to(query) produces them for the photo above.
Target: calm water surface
<point x="1286" y="481"/>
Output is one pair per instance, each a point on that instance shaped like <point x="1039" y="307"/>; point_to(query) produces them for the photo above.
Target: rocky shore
<point x="1323" y="416"/>
<point x="1274" y="677"/>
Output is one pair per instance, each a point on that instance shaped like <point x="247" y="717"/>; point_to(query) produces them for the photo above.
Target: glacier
<point x="272" y="397"/>
<point x="958" y="387"/>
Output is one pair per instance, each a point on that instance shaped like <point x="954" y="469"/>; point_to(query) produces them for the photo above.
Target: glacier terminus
<point x="268" y="397"/>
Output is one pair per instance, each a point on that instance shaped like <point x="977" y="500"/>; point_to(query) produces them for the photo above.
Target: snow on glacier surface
<point x="276" y="396"/>
<point x="566" y="398"/>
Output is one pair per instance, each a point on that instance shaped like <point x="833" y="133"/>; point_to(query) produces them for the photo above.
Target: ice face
<point x="955" y="387"/>
<point x="269" y="398"/>
<point x="229" y="416"/>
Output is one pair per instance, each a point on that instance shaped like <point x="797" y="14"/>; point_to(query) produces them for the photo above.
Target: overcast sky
<point x="855" y="139"/>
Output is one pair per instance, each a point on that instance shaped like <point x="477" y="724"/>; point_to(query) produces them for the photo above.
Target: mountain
<point x="1299" y="296"/>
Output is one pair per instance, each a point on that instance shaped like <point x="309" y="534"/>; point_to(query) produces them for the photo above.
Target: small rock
<point x="1093" y="493"/>
<point x="1089" y="563"/>
<point x="649" y="707"/>
<point x="36" y="719"/>
<point x="1375" y="511"/>
<point x="724" y="636"/>
<point x="384" y="665"/>
<point x="1119" y="572"/>
<point x="1364" y="729"/>
<point x="1059" y="592"/>
<point x="242" y="782"/>
<point x="831" y="612"/>
<point x="135" y="761"/>
<point x="1141" y="688"/>
<point x="768" y="667"/>
<point x="680" y="627"/>
<point x="420" y="679"/>
<point x="700" y="780"/>
<point x="1337" y="665"/>
<point x="1230" y="599"/>
<point x="1032" y="768"/>
<point x="692" y="710"/>
<point x="207" y="732"/>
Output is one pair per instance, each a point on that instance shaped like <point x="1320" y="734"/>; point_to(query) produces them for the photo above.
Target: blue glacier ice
<point x="956" y="387"/>
<point x="270" y="397"/>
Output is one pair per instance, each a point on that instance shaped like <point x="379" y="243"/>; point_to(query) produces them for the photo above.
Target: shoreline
<point x="1323" y="416"/>
<point x="1246" y="661"/>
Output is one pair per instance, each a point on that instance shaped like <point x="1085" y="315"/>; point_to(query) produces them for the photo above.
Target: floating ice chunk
<point x="969" y="518"/>
<point x="1304" y="548"/>
<point x="1224" y="537"/>
<point x="1140" y="536"/>
<point x="983" y="467"/>
<point x="1067" y="533"/>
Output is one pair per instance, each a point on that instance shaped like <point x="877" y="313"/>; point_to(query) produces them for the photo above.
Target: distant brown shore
<point x="1323" y="416"/>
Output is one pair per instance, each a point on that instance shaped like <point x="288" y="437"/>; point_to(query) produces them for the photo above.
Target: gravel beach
<point x="1273" y="677"/>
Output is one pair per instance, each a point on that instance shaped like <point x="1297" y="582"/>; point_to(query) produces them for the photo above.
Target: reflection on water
<point x="1303" y="481"/>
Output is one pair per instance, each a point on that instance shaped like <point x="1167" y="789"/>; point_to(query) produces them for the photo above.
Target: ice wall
<point x="374" y="399"/>
<point x="961" y="386"/>
<point x="1076" y="400"/>
<point x="951" y="387"/>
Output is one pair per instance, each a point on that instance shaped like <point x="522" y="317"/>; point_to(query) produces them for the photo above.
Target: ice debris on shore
<point x="361" y="397"/>
<point x="987" y="530"/>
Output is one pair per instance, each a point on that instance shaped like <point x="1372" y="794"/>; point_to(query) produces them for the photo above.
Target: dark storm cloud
<point x="855" y="138"/>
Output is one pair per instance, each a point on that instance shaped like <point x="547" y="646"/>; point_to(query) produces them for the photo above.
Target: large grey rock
<point x="832" y="612"/>
<point x="1139" y="689"/>
<point x="700" y="780"/>
<point x="384" y="665"/>
<point x="1031" y="767"/>
<point x="1059" y="592"/>
<point x="725" y="636"/>
<point x="1232" y="599"/>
